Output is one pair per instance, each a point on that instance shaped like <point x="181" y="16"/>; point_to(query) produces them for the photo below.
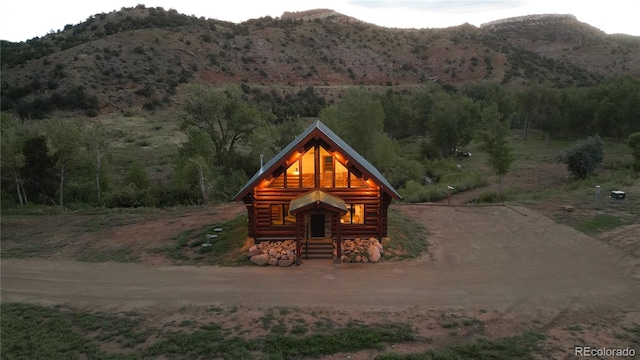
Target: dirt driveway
<point x="481" y="257"/>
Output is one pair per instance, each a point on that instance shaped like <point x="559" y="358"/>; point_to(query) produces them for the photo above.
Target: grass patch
<point x="349" y="339"/>
<point x="207" y="342"/>
<point x="226" y="249"/>
<point x="599" y="223"/>
<point x="511" y="348"/>
<point x="23" y="251"/>
<point x="37" y="332"/>
<point x="450" y="324"/>
<point x="408" y="237"/>
<point x="123" y="255"/>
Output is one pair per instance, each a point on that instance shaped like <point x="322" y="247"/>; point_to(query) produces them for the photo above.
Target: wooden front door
<point x="317" y="225"/>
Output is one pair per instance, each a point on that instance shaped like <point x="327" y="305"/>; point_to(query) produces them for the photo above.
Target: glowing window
<point x="356" y="182"/>
<point x="293" y="175"/>
<point x="308" y="169"/>
<point x="341" y="174"/>
<point x="280" y="215"/>
<point x="354" y="215"/>
<point x="326" y="168"/>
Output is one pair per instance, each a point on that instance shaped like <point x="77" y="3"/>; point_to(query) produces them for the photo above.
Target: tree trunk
<point x="501" y="194"/>
<point x="98" y="177"/>
<point x="62" y="187"/>
<point x="18" y="189"/>
<point x="24" y="193"/>
<point x="525" y="130"/>
<point x="203" y="186"/>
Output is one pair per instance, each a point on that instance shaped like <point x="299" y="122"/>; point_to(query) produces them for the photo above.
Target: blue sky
<point x="23" y="20"/>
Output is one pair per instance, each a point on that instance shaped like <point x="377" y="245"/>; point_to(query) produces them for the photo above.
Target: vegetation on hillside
<point x="411" y="137"/>
<point x="140" y="57"/>
<point x="411" y="111"/>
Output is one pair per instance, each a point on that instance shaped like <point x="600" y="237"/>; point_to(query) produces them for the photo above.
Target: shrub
<point x="583" y="158"/>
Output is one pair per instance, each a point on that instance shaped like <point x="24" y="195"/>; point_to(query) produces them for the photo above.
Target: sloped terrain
<point x="143" y="57"/>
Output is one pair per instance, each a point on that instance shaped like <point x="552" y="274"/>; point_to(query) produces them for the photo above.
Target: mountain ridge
<point x="144" y="56"/>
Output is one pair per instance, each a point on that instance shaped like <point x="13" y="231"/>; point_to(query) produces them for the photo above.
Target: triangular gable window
<point x="317" y="168"/>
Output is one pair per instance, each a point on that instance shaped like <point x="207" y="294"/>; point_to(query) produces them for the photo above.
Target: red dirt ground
<point x="512" y="269"/>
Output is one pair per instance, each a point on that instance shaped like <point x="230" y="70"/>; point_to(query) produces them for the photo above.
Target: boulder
<point x="273" y="262"/>
<point x="254" y="250"/>
<point x="346" y="259"/>
<point x="273" y="252"/>
<point x="358" y="259"/>
<point x="285" y="262"/>
<point x="374" y="254"/>
<point x="262" y="259"/>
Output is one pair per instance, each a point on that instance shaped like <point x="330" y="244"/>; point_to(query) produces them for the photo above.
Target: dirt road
<point x="490" y="258"/>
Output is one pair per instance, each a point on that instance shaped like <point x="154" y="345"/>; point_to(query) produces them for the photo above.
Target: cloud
<point x="441" y="6"/>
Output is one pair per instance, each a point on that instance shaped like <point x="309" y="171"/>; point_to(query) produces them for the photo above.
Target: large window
<point x="326" y="168"/>
<point x="317" y="167"/>
<point x="354" y="215"/>
<point x="280" y="215"/>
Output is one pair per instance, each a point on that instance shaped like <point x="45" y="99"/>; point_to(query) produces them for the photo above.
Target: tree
<point x="583" y="158"/>
<point x="13" y="158"/>
<point x="539" y="106"/>
<point x="451" y="122"/>
<point x="97" y="143"/>
<point x="492" y="139"/>
<point x="38" y="170"/>
<point x="66" y="141"/>
<point x="137" y="176"/>
<point x="358" y="119"/>
<point x="196" y="160"/>
<point x="226" y="117"/>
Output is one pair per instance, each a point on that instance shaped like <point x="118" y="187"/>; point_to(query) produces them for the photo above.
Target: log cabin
<point x="318" y="187"/>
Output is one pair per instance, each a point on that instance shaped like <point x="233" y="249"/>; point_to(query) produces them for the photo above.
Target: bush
<point x="583" y="158"/>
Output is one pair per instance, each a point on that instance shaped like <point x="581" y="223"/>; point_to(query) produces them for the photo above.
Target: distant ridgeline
<point x="532" y="20"/>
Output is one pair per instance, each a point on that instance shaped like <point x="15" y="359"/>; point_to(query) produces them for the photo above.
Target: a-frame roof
<point x="314" y="130"/>
<point x="317" y="199"/>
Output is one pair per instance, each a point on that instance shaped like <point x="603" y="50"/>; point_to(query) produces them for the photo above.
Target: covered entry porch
<point x="317" y="217"/>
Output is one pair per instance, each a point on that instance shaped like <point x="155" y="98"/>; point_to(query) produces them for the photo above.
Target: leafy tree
<point x="13" y="158"/>
<point x="451" y="122"/>
<point x="195" y="163"/>
<point x="38" y="170"/>
<point x="538" y="106"/>
<point x="97" y="143"/>
<point x="65" y="138"/>
<point x="226" y="116"/>
<point x="137" y="176"/>
<point x="400" y="115"/>
<point x="583" y="158"/>
<point x="358" y="119"/>
<point x="492" y="139"/>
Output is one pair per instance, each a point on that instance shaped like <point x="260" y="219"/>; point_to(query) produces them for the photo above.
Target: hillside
<point x="142" y="57"/>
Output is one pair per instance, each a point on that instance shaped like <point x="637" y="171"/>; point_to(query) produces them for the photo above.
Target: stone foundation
<point x="280" y="253"/>
<point x="360" y="250"/>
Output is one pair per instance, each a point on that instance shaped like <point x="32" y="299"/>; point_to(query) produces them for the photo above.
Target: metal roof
<point x="359" y="162"/>
<point x="317" y="198"/>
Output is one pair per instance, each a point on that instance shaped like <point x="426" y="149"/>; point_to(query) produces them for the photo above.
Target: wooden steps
<point x="317" y="249"/>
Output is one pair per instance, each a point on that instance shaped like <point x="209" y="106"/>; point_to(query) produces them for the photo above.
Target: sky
<point x="21" y="20"/>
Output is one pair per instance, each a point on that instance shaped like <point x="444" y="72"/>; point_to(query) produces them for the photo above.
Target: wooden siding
<point x="260" y="223"/>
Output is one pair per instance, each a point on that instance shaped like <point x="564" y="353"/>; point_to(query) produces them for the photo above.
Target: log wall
<point x="258" y="204"/>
